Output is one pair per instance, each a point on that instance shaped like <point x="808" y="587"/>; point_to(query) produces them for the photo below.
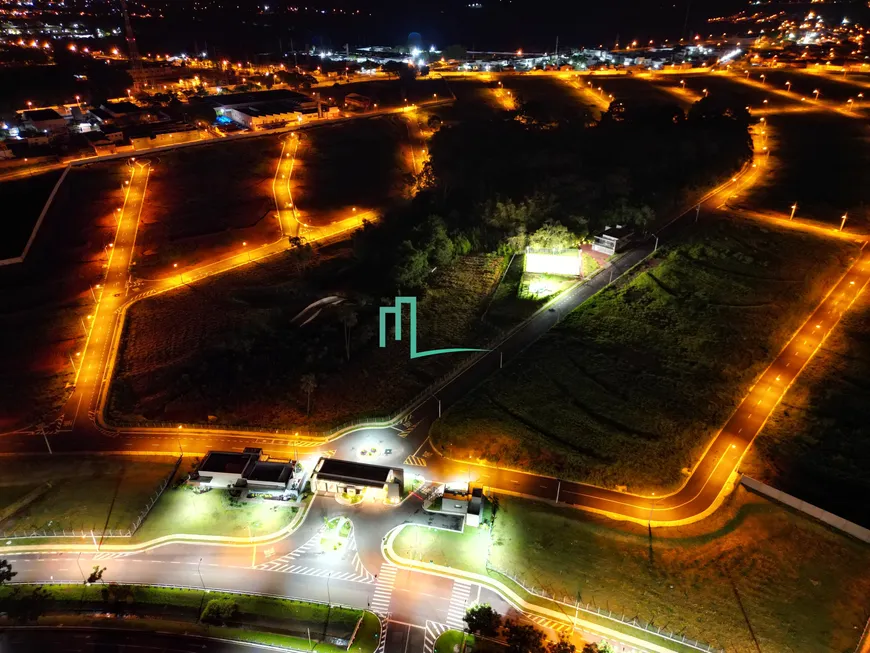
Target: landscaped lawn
<point x="182" y="511"/>
<point x="23" y="200"/>
<point x="802" y="586"/>
<point x="816" y="441"/>
<point x="263" y="620"/>
<point x="631" y="387"/>
<point x="96" y="492"/>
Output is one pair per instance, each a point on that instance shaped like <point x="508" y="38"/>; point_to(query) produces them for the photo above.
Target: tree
<point x="118" y="597"/>
<point x="349" y="319"/>
<point x="309" y="384"/>
<point x="553" y="235"/>
<point x="524" y="638"/>
<point x="562" y="646"/>
<point x="411" y="268"/>
<point x="6" y="573"/>
<point x="219" y="611"/>
<point x="482" y="620"/>
<point x="23" y="607"/>
<point x="95" y="575"/>
<point x="602" y="647"/>
<point x="301" y="252"/>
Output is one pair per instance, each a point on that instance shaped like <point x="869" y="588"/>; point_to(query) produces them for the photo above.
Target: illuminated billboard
<point x="564" y="262"/>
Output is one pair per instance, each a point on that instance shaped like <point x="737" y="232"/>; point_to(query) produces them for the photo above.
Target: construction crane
<point x="137" y="72"/>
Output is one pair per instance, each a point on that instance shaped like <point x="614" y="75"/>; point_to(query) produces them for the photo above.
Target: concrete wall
<point x="831" y="519"/>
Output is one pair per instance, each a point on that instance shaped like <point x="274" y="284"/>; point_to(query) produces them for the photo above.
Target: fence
<point x="94" y="533"/>
<point x="633" y="622"/>
<point x="830" y="519"/>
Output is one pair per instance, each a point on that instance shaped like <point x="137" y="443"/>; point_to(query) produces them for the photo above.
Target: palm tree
<point x="309" y="383"/>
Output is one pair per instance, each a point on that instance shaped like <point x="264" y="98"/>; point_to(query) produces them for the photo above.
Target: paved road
<point x="105" y="640"/>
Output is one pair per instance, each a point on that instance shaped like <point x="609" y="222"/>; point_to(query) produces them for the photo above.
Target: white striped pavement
<point x="458" y="604"/>
<point x="384" y="589"/>
<point x="433" y="631"/>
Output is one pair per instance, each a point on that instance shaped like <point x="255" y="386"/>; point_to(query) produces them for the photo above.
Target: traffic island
<point x="268" y="620"/>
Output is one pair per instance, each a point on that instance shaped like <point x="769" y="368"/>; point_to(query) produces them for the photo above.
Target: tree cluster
<point x="219" y="612"/>
<point x="520" y="638"/>
<point x="502" y="184"/>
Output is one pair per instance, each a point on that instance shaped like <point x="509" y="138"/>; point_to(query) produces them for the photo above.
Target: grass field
<point x="815" y="442"/>
<point x="94" y="493"/>
<point x="350" y="164"/>
<point x="629" y="388"/>
<point x="387" y="92"/>
<point x="203" y="202"/>
<point x="44" y="300"/>
<point x="23" y="199"/>
<point x="228" y="347"/>
<point x="802" y="587"/>
<point x="823" y="192"/>
<point x="265" y="620"/>
<point x="181" y="510"/>
<point x="550" y="96"/>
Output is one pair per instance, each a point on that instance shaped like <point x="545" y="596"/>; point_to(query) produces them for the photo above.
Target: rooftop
<point x="360" y="473"/>
<point x="268" y="108"/>
<point x="254" y="97"/>
<point x="270" y="471"/>
<point x="122" y="107"/>
<point x="42" y="114"/>
<point x="227" y="462"/>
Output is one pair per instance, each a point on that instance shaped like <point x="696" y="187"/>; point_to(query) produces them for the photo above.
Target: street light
<point x="816" y="93"/>
<point x="706" y="93"/>
<point x="683" y="84"/>
<point x="762" y="79"/>
<point x="793" y="209"/>
<point x="843" y="220"/>
<point x="788" y="86"/>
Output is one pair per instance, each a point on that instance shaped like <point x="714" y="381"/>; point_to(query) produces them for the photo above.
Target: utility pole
<point x="557" y="51"/>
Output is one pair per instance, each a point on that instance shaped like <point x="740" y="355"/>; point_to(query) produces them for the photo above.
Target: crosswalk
<point x="415" y="461"/>
<point x="458" y="604"/>
<point x="384" y="589"/>
<point x="109" y="556"/>
<point x="318" y="572"/>
<point x="556" y="626"/>
<point x="433" y="631"/>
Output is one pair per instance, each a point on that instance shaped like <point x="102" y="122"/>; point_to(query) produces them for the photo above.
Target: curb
<point x="507" y="594"/>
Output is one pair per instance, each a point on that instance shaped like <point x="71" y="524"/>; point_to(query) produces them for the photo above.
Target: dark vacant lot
<point x="633" y="384"/>
<point x="203" y="202"/>
<point x="44" y="300"/>
<point x="388" y="92"/>
<point x="822" y="162"/>
<point x="351" y="164"/>
<point x="550" y="96"/>
<point x="22" y="200"/>
<point x="229" y="350"/>
<point x="815" y="443"/>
